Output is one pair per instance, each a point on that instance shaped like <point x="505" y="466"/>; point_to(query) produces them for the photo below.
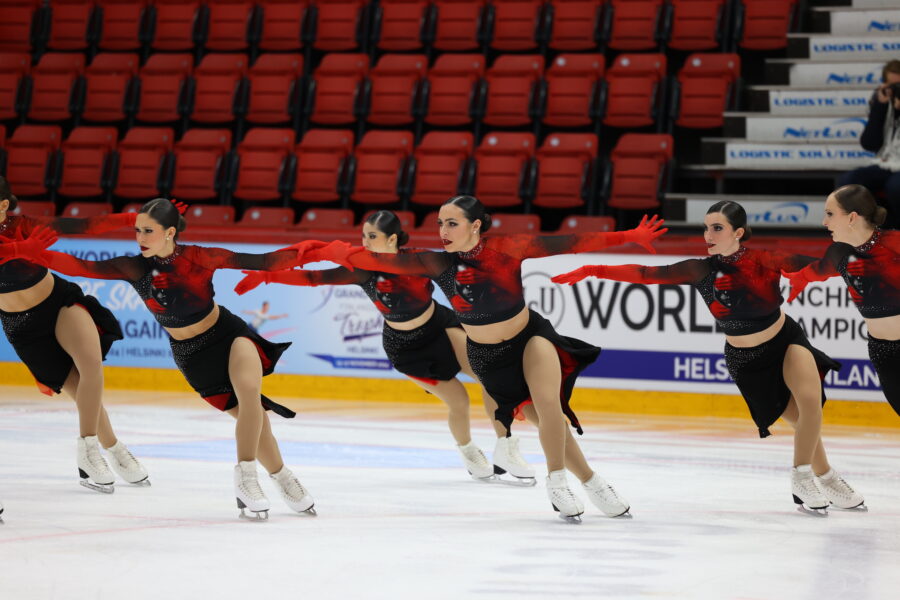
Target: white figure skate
<point x="248" y="493"/>
<point x="92" y="468"/>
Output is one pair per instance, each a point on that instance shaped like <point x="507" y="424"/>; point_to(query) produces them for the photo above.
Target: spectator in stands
<point x="882" y="136"/>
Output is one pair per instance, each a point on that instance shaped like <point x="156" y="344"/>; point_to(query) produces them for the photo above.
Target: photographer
<point x="882" y="136"/>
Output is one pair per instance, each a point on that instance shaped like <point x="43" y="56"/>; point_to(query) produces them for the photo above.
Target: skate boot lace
<point x="124" y="453"/>
<point x="806" y="484"/>
<point x="293" y="488"/>
<point x="94" y="457"/>
<point x="251" y="486"/>
<point x="475" y="456"/>
<point x="513" y="454"/>
<point x="838" y="487"/>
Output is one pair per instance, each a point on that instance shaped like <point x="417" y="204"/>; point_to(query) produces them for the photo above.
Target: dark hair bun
<point x="388" y="223"/>
<point x="747" y="233"/>
<point x="486" y="223"/>
<point x="880" y="216"/>
<point x="402" y="238"/>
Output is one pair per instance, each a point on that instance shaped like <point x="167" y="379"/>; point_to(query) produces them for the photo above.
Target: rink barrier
<point x="838" y="412"/>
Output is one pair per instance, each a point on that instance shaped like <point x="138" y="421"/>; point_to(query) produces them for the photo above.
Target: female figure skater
<point x="215" y="350"/>
<point x="63" y="336"/>
<point x="422" y="338"/>
<point x="869" y="261"/>
<point x="778" y="372"/>
<point x="515" y="352"/>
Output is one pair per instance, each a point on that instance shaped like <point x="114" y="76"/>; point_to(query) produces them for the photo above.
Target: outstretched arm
<point x="536" y="246"/>
<point x="28" y="248"/>
<point x="339" y="276"/>
<point x="422" y="264"/>
<point x="687" y="271"/>
<point x="121" y="267"/>
<point x="91" y="225"/>
<point x="220" y="258"/>
<point x="818" y="270"/>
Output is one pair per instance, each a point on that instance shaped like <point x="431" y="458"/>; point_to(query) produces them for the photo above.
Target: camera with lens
<point x="894" y="89"/>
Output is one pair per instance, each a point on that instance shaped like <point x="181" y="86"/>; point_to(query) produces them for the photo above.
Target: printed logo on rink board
<point x="544" y="297"/>
<point x="766" y="213"/>
<point x="812" y="74"/>
<point x="884" y="47"/>
<point x="871" y="78"/>
<point x="826" y="102"/>
<point x="786" y="155"/>
<point x="773" y="129"/>
<point x="841" y="129"/>
<point x="885" y="25"/>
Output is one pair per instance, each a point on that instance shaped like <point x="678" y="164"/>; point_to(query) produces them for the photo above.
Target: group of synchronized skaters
<point x="525" y="368"/>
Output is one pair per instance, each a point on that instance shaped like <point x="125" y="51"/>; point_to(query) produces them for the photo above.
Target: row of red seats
<point x="392" y="25"/>
<point x="516" y="91"/>
<point x="385" y="168"/>
<point x="329" y="220"/>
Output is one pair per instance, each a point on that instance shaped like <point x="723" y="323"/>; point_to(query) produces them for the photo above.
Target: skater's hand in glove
<point x="162" y="281"/>
<point x="29" y="248"/>
<point x="155" y="306"/>
<point x="646" y="233"/>
<point x="385" y="286"/>
<point x="251" y="280"/>
<point x="719" y="310"/>
<point x="573" y="277"/>
<point x="469" y="276"/>
<point x="725" y="282"/>
<point x="459" y="304"/>
<point x="798" y="280"/>
<point x="303" y="249"/>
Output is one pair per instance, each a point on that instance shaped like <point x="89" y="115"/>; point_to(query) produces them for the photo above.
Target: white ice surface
<point x="399" y="518"/>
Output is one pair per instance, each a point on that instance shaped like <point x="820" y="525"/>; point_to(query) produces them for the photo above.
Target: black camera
<point x="895" y="90"/>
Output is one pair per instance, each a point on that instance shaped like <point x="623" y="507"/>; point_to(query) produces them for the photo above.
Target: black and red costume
<point x="484" y="286"/>
<point x="32" y="333"/>
<point x="178" y="291"/>
<point x="743" y="293"/>
<point x="424" y="353"/>
<point x="872" y="274"/>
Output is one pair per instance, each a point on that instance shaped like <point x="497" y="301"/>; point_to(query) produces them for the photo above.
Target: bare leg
<point x="575" y="460"/>
<point x="267" y="453"/>
<point x="820" y="464"/>
<point x="543" y="375"/>
<point x="77" y="334"/>
<point x="802" y="378"/>
<point x="105" y="432"/>
<point x="458" y="341"/>
<point x="245" y="372"/>
<point x="455" y="396"/>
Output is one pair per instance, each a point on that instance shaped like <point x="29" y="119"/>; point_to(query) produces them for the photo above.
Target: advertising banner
<point x="811" y="74"/>
<point x="653" y="337"/>
<point x="829" y="47"/>
<point x="828" y="156"/>
<point x="820" y="102"/>
<point x="868" y="21"/>
<point x="813" y="129"/>
<point x="793" y="213"/>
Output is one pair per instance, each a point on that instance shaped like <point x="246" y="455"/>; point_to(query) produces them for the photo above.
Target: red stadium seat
<point x="505" y="161"/>
<point x="459" y="25"/>
<point x="274" y="97"/>
<point x="706" y="86"/>
<point x="268" y="217"/>
<point x="34" y="208"/>
<point x="576" y="24"/>
<point x="229" y="25"/>
<point x="764" y="24"/>
<point x="513" y="82"/>
<point x="638" y="165"/>
<point x="407" y="219"/>
<point x="218" y="82"/>
<point x="635" y="24"/>
<point x="69" y="24"/>
<point x="177" y="25"/>
<point x="635" y="89"/>
<point x="282" y="25"/>
<point x="574" y="90"/>
<point x="454" y="84"/>
<point x="396" y="82"/>
<point x="697" y="24"/>
<point x="382" y="164"/>
<point x="84" y="210"/>
<point x="14" y="68"/>
<point x="429" y="224"/>
<point x="264" y="157"/>
<point x="86" y="153"/>
<point x="513" y="223"/>
<point x="143" y="158"/>
<point x="338" y="25"/>
<point x="567" y="170"/>
<point x="583" y="224"/>
<point x="336" y="95"/>
<point x="200" y="164"/>
<point x="31" y="159"/>
<point x="322" y="157"/>
<point x="326" y="219"/>
<point x="442" y="161"/>
<point x="399" y="25"/>
<point x="109" y="87"/>
<point x="54" y="86"/>
<point x="210" y="215"/>
<point x="518" y="25"/>
<point x="18" y="26"/>
<point x="163" y="82"/>
<point x="121" y="24"/>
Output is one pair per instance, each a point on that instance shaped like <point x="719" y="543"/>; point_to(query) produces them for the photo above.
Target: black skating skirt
<point x="499" y="368"/>
<point x="32" y="333"/>
<point x="203" y="360"/>
<point x="758" y="373"/>
<point x="424" y="353"/>
<point x="885" y="357"/>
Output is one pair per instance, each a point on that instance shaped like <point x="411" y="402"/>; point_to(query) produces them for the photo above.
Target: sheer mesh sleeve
<point x="339" y="276"/>
<point x="128" y="268"/>
<point x="687" y="271"/>
<point x="220" y="258"/>
<point x="422" y="264"/>
<point x="91" y="225"/>
<point x="784" y="261"/>
<point x="536" y="246"/>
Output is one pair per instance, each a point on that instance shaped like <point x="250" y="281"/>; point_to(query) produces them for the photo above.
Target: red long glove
<point x="29" y="248"/>
<point x="799" y="280"/>
<point x="337" y="252"/>
<point x="573" y="277"/>
<point x="646" y="233"/>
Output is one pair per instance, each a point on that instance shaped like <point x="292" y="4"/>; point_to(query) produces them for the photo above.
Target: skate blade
<point x="625" y="515"/>
<point x="817" y="511"/>
<point x="572" y="519"/>
<point x="311" y="511"/>
<point x="858" y="508"/>
<point x="145" y="482"/>
<point x="262" y="515"/>
<point x="97" y="487"/>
